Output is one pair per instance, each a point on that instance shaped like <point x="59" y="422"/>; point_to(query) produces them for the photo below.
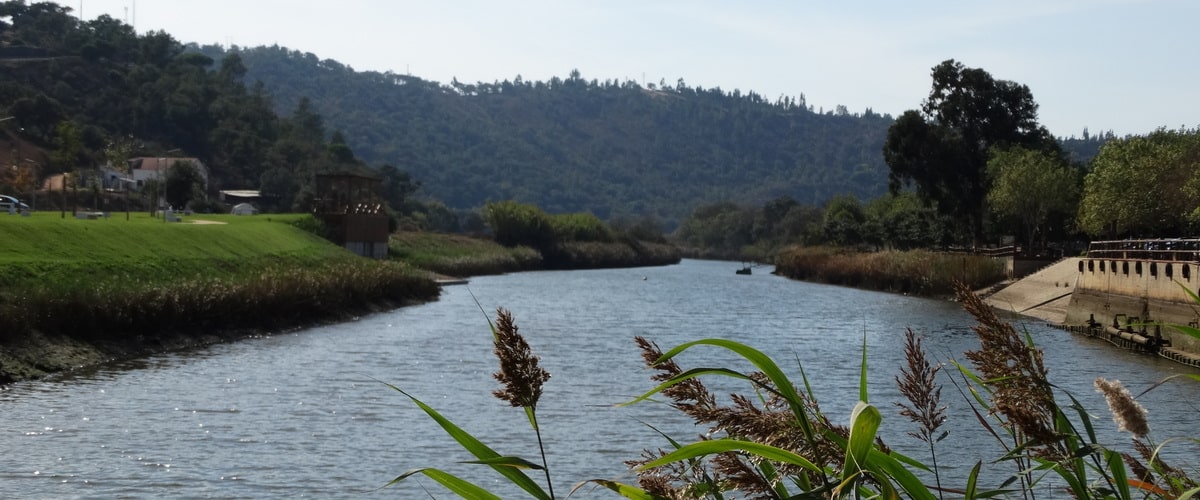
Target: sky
<point x="1126" y="66"/>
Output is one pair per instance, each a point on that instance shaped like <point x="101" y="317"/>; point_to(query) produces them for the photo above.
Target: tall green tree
<point x="845" y="221"/>
<point x="1145" y="186"/>
<point x="943" y="148"/>
<point x="182" y="183"/>
<point x="1032" y="187"/>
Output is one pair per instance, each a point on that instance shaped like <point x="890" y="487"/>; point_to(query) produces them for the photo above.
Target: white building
<point x="152" y="167"/>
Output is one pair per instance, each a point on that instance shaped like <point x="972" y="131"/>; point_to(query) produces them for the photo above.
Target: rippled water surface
<point x="307" y="413"/>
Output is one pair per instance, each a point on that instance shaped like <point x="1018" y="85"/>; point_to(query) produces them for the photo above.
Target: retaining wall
<point x="1142" y="288"/>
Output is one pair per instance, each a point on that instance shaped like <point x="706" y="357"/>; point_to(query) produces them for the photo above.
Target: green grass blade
<point x="625" y="490"/>
<point x="690" y="374"/>
<point x="891" y="466"/>
<point x="862" y="375"/>
<point x="864" y="424"/>
<point x="973" y="481"/>
<point x="765" y="365"/>
<point x="507" y="461"/>
<point x="453" y="483"/>
<point x="1116" y="470"/>
<point x="478" y="449"/>
<point x="1190" y="331"/>
<point x="718" y="446"/>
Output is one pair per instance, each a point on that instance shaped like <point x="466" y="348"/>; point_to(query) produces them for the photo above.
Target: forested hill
<point x="612" y="148"/>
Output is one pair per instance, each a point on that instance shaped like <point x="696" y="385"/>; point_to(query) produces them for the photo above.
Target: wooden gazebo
<point x="352" y="209"/>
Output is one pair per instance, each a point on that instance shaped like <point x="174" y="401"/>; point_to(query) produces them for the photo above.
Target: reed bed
<point x="594" y="254"/>
<point x="919" y="272"/>
<point x="458" y="255"/>
<point x="277" y="296"/>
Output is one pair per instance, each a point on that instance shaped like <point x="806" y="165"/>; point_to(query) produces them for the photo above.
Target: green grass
<point x="47" y="249"/>
<point x="458" y="255"/>
<point x="96" y="284"/>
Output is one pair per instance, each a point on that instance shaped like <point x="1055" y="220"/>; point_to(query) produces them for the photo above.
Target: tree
<point x="844" y="221"/>
<point x="1143" y="186"/>
<point x="1032" y="187"/>
<point x="903" y="222"/>
<point x="182" y="183"/>
<point x="943" y="149"/>
<point x="397" y="188"/>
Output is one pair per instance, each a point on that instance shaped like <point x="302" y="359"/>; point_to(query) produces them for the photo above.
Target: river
<point x="307" y="414"/>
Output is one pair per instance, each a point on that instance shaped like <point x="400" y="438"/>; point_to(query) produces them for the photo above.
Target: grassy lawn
<point x="48" y="248"/>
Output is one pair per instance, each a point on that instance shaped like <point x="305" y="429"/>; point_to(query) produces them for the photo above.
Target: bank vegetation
<point x="78" y="292"/>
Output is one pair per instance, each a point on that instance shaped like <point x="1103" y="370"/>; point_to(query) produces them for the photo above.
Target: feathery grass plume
<point x="1140" y="471"/>
<point x="519" y="370"/>
<point x="918" y="384"/>
<point x="1128" y="414"/>
<point x="771" y="422"/>
<point x="690" y="396"/>
<point x="1173" y="478"/>
<point x="1017" y="376"/>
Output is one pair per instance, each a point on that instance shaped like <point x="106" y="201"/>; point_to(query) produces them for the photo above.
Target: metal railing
<point x="1170" y="250"/>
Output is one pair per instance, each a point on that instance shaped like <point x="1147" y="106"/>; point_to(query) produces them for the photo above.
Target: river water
<point x="307" y="413"/>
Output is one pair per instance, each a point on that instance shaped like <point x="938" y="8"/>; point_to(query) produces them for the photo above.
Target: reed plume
<point x="918" y="383"/>
<point x="1128" y="414"/>
<point x="769" y="422"/>
<point x="1014" y="370"/>
<point x="521" y="376"/>
<point x="519" y="371"/>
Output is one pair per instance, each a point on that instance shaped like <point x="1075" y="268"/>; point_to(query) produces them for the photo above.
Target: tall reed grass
<point x="275" y="297"/>
<point x="459" y="255"/>
<point x="919" y="272"/>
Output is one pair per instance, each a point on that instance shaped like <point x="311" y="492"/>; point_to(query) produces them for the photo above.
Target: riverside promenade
<point x="1044" y="295"/>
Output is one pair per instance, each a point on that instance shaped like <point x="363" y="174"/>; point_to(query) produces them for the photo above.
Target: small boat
<point x="743" y="270"/>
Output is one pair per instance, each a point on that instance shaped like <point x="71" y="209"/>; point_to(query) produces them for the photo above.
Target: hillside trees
<point x="81" y="87"/>
<point x="943" y="148"/>
<point x="614" y="148"/>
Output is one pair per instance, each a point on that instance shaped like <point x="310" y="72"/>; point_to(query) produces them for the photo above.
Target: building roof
<point x="159" y="163"/>
<point x="241" y="193"/>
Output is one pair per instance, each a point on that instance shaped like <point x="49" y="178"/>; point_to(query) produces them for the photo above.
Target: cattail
<point x="519" y="370"/>
<point x="1128" y="414"/>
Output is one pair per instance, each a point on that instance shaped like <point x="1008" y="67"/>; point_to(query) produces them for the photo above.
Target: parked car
<point x="8" y="202"/>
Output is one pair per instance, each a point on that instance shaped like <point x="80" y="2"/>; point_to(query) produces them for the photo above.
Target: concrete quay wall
<point x="1147" y="289"/>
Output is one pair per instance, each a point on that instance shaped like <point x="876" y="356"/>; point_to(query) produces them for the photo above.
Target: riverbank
<point x="463" y="256"/>
<point x="77" y="292"/>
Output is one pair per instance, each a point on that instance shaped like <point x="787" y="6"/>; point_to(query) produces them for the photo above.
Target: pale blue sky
<point x="1129" y="66"/>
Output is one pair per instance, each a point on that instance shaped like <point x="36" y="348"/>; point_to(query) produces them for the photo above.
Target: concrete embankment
<point x="1044" y="295"/>
<point x="1067" y="294"/>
